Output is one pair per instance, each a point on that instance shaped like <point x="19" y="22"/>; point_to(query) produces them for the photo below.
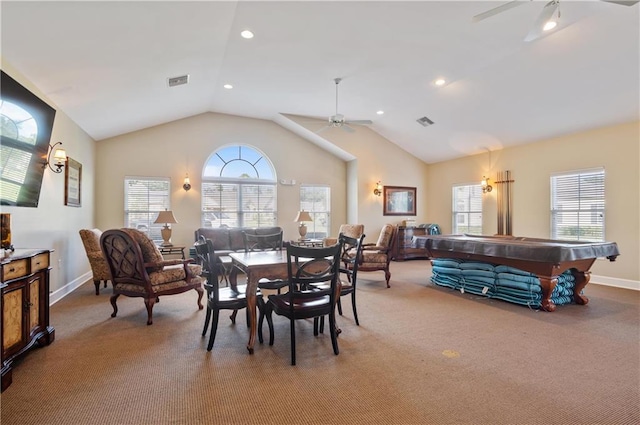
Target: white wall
<point x="52" y="225"/>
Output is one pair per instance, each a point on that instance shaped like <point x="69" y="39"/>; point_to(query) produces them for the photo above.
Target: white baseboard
<point x="613" y="281"/>
<point x="59" y="294"/>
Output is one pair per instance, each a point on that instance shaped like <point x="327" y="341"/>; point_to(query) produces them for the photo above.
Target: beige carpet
<point x="422" y="355"/>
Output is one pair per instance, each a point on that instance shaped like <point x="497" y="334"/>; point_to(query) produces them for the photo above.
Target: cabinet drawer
<point x="39" y="262"/>
<point x="14" y="269"/>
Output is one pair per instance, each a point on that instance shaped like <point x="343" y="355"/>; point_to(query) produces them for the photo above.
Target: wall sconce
<point x="378" y="190"/>
<point x="166" y="217"/>
<point x="60" y="157"/>
<point x="301" y="218"/>
<point x="186" y="185"/>
<point x="486" y="187"/>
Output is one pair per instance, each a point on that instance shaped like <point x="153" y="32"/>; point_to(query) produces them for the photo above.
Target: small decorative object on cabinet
<point x="24" y="305"/>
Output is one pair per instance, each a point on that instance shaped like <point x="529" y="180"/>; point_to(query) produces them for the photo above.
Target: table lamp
<point x="301" y="218"/>
<point x="166" y="217"/>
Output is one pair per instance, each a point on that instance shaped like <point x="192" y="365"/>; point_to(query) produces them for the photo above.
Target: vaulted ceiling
<point x="106" y="65"/>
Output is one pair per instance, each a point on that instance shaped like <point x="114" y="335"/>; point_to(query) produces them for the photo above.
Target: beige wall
<point x="52" y="224"/>
<point x="377" y="160"/>
<point x="172" y="149"/>
<point x="615" y="148"/>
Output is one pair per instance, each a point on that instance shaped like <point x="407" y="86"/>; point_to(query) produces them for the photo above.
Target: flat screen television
<point x="25" y="134"/>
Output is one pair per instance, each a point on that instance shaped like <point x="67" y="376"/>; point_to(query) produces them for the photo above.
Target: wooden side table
<point x="172" y="250"/>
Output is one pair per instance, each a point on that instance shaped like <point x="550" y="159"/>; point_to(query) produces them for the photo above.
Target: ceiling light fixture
<point x="246" y="34"/>
<point x="380" y="112"/>
<point x="228" y="86"/>
<point x="440" y="82"/>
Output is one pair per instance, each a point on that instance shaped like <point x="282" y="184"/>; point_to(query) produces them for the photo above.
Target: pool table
<point x="545" y="258"/>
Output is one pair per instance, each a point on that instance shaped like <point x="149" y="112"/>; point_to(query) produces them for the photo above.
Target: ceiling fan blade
<point x="622" y="2"/>
<point x="323" y="129"/>
<point x="546" y="14"/>
<point x="489" y="13"/>
<point x="347" y="128"/>
<point x="359" y="122"/>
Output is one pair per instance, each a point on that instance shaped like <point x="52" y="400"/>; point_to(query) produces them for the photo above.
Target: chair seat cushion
<point x="160" y="287"/>
<point x="305" y="307"/>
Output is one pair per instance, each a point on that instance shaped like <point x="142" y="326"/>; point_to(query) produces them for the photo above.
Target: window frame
<point x="475" y="191"/>
<point x="316" y="214"/>
<point x="147" y="225"/>
<point x="586" y="194"/>
<point x="239" y="215"/>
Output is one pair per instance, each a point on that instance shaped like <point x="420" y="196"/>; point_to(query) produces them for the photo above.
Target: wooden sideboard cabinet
<point x="404" y="249"/>
<point x="24" y="305"/>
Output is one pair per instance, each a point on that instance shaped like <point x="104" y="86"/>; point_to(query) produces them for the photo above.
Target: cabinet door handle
<point x="12" y="269"/>
<point x="27" y="305"/>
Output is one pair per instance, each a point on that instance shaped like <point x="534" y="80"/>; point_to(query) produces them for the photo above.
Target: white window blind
<point x="144" y="198"/>
<point x="577" y="205"/>
<point x="467" y="209"/>
<point x="238" y="204"/>
<point x="316" y="199"/>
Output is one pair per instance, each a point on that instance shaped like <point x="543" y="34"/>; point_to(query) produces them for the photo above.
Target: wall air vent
<point x="178" y="81"/>
<point x="424" y="121"/>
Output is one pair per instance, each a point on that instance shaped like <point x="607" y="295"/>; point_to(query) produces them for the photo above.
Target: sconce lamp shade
<point x="301" y="218"/>
<point x="59" y="157"/>
<point x="166" y="217"/>
<point x="186" y="185"/>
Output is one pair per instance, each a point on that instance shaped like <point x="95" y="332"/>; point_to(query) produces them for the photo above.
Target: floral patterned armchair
<point x="378" y="256"/>
<point x="99" y="267"/>
<point x="138" y="270"/>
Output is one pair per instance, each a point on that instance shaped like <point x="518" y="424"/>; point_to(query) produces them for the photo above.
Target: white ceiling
<point x="106" y="64"/>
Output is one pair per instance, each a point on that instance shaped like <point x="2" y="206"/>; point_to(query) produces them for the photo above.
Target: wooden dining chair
<point x="227" y="298"/>
<point x="270" y="242"/>
<point x="313" y="291"/>
<point x="350" y="257"/>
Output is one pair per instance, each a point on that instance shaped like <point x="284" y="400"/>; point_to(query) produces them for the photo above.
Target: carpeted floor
<point x="422" y="355"/>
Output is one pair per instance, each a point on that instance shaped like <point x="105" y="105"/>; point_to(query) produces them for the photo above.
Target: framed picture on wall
<point x="399" y="200"/>
<point x="72" y="183"/>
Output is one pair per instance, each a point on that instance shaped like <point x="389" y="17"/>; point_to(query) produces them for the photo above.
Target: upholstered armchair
<point x="377" y="256"/>
<point x="350" y="230"/>
<point x="138" y="270"/>
<point x="99" y="267"/>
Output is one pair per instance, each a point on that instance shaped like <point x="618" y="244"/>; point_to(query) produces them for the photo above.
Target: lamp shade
<point x="303" y="216"/>
<point x="165" y="217"/>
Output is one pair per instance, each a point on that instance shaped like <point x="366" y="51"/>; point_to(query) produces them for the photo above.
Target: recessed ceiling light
<point x="228" y="86"/>
<point x="380" y="112"/>
<point x="549" y="25"/>
<point x="246" y="34"/>
<point x="440" y="82"/>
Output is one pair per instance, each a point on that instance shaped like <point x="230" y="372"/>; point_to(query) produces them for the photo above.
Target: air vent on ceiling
<point x="424" y="121"/>
<point x="178" y="81"/>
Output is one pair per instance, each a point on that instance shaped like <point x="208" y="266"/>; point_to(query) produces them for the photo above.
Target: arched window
<point x="239" y="189"/>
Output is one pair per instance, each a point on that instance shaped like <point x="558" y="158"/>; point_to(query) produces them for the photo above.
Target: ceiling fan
<point x="338" y="120"/>
<point x="545" y="20"/>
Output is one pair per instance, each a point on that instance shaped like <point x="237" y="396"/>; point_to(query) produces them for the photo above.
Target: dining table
<point x="256" y="265"/>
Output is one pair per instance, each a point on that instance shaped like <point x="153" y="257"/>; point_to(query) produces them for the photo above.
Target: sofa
<point x="230" y="239"/>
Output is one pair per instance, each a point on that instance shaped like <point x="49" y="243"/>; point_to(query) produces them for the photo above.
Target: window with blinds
<point x="577" y="205"/>
<point x="144" y="198"/>
<point x="239" y="189"/>
<point x="316" y="199"/>
<point x="467" y="209"/>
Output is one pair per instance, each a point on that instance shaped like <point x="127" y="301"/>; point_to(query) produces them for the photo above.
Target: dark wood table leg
<point x="582" y="278"/>
<point x="548" y="284"/>
<point x="252" y="287"/>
